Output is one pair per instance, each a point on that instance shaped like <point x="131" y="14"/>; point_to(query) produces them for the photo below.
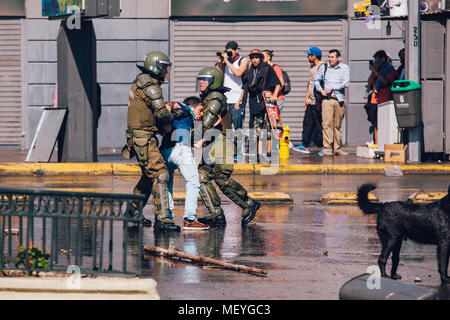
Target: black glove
<point x="178" y="114"/>
<point x="164" y="116"/>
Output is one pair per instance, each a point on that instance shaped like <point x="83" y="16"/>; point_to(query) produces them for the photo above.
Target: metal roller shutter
<point x="10" y="82"/>
<point x="194" y="45"/>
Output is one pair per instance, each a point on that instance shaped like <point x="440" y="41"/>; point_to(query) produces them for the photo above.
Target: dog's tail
<point x="363" y="199"/>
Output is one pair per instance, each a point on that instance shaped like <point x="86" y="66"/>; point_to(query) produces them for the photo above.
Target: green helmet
<point x="157" y="62"/>
<point x="213" y="75"/>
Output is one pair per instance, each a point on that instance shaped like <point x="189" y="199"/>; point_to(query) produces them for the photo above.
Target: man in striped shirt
<point x="332" y="87"/>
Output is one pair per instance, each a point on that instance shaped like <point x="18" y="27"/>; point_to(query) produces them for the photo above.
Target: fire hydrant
<point x="284" y="143"/>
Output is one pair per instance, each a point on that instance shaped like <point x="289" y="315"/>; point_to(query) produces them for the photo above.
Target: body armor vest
<point x="223" y="112"/>
<point x="140" y="114"/>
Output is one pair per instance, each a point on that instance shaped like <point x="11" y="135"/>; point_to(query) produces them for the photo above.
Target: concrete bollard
<point x="367" y="287"/>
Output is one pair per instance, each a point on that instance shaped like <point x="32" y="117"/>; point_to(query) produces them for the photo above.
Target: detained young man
<point x="176" y="151"/>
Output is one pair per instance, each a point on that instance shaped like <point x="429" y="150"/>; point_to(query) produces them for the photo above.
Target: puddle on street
<point x="280" y="239"/>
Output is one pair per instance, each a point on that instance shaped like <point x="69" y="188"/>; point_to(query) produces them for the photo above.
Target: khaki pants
<point x="332" y="115"/>
<point x="155" y="176"/>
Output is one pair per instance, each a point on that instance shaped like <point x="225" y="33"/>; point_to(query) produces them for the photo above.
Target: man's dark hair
<point x="380" y="54"/>
<point x="192" y="101"/>
<point x="231" y="45"/>
<point x="338" y="53"/>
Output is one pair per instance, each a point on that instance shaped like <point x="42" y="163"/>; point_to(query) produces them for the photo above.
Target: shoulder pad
<point x="144" y="80"/>
<point x="217" y="95"/>
<point x="214" y="106"/>
<point x="153" y="92"/>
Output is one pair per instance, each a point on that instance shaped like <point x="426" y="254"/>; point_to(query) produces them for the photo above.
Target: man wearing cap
<point x="260" y="77"/>
<point x="312" y="127"/>
<point x="233" y="67"/>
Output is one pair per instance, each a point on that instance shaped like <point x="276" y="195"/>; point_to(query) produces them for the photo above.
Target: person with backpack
<point x="258" y="78"/>
<point x="268" y="55"/>
<point x="312" y="120"/>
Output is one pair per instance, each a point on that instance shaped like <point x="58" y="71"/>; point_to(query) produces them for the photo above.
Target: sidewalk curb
<point x="350" y="198"/>
<point x="269" y="198"/>
<point x="341" y="198"/>
<point x="102" y="288"/>
<point x="427" y="197"/>
<point x="125" y="169"/>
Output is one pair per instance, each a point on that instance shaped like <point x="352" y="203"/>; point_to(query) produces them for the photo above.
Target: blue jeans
<point x="180" y="157"/>
<point x="237" y="116"/>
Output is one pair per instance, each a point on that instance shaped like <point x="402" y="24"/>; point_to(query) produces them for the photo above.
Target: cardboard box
<point x="395" y="153"/>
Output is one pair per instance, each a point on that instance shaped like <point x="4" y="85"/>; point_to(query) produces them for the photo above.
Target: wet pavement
<point x="309" y="249"/>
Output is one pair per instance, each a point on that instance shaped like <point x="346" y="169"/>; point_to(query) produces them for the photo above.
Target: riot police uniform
<point x="146" y="112"/>
<point x="214" y="108"/>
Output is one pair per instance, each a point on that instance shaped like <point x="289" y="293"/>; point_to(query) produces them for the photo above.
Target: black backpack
<point x="287" y="82"/>
<point x="317" y="94"/>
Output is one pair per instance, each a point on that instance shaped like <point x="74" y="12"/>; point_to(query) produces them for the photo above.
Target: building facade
<point x="191" y="34"/>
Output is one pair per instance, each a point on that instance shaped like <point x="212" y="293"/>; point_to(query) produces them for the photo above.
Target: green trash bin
<point x="408" y="103"/>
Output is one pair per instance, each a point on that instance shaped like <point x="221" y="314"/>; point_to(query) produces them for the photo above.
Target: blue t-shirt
<point x="181" y="130"/>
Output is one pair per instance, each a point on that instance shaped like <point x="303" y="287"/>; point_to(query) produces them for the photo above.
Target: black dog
<point x="398" y="220"/>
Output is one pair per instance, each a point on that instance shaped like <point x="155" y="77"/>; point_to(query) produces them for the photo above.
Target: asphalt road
<point x="309" y="249"/>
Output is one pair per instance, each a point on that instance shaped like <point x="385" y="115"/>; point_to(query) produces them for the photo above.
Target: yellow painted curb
<point x="331" y="169"/>
<point x="244" y="168"/>
<point x="78" y="169"/>
<point x="344" y="198"/>
<point x="264" y="197"/>
<point x="126" y="169"/>
<point x="427" y="197"/>
<point x="52" y="169"/>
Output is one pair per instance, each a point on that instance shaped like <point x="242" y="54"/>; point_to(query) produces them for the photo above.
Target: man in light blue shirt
<point x="331" y="81"/>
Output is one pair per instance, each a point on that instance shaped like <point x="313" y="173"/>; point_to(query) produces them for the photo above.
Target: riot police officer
<point x="216" y="116"/>
<point x="147" y="112"/>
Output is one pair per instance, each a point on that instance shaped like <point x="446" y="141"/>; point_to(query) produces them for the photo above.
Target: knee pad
<point x="203" y="177"/>
<point x="163" y="177"/>
<point x="210" y="198"/>
<point x="161" y="195"/>
<point x="223" y="179"/>
<point x="233" y="190"/>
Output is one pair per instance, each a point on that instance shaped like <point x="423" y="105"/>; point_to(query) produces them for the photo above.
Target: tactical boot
<point x="218" y="221"/>
<point x="165" y="225"/>
<point x="134" y="212"/>
<point x="249" y="212"/>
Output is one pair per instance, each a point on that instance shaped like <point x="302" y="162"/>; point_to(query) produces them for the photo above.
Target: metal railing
<point x="90" y="230"/>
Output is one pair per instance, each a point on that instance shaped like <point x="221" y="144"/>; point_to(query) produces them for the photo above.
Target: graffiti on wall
<point x="52" y="8"/>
